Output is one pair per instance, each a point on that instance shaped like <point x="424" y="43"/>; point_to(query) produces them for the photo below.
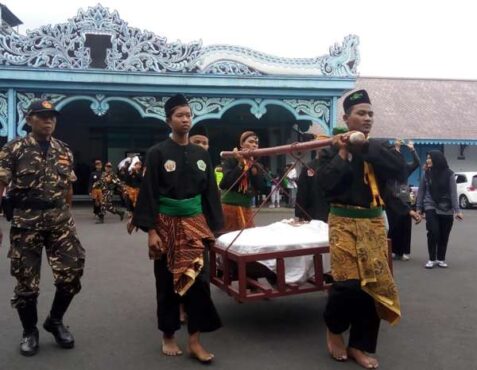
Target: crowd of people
<point x="358" y="186"/>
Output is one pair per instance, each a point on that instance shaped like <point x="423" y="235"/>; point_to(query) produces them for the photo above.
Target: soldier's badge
<point x="310" y="172"/>
<point x="201" y="165"/>
<point x="46" y="104"/>
<point x="170" y="165"/>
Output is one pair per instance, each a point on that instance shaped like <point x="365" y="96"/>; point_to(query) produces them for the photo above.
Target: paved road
<point x="114" y="323"/>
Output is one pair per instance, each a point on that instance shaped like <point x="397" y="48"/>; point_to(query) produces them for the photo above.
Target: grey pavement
<point x="113" y="318"/>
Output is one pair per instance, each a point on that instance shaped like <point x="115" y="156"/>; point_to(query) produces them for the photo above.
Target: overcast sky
<point x="405" y="38"/>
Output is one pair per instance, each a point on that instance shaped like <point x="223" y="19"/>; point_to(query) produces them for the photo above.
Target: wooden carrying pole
<point x="281" y="149"/>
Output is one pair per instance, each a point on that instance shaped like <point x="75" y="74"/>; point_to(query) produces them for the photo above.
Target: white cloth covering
<point x="134" y="160"/>
<point x="124" y="163"/>
<point x="282" y="236"/>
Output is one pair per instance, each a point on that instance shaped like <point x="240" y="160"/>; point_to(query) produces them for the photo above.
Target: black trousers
<point x="400" y="229"/>
<point x="438" y="231"/>
<point x="201" y="313"/>
<point x="349" y="306"/>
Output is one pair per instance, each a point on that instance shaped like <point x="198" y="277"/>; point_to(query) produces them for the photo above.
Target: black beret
<point x="174" y="101"/>
<point x="357" y="97"/>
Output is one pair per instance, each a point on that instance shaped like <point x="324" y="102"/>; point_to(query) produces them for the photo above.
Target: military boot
<point x="30" y="343"/>
<point x="30" y="340"/>
<point x="63" y="336"/>
<point x="54" y="321"/>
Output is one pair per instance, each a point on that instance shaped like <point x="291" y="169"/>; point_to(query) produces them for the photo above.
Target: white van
<point x="466" y="189"/>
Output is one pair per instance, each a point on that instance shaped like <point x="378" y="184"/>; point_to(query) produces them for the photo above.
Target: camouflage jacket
<point x="33" y="178"/>
<point x="109" y="182"/>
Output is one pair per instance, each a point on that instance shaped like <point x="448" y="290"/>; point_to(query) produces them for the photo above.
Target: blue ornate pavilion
<point x="111" y="80"/>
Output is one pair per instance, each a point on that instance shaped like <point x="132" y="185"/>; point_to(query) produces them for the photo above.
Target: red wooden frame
<point x="240" y="289"/>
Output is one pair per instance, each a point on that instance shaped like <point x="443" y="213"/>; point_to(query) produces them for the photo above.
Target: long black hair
<point x="438" y="175"/>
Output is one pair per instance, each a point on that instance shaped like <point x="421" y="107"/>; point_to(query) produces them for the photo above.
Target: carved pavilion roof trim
<point x="62" y="46"/>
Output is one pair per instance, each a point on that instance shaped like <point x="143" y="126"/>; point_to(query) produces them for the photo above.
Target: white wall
<point x="468" y="164"/>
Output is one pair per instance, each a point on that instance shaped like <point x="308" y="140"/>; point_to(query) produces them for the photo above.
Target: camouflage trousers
<point x="65" y="256"/>
<point x="107" y="205"/>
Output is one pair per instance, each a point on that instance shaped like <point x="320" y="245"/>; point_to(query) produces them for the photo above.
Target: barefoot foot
<point x="363" y="359"/>
<point x="170" y="347"/>
<point x="336" y="346"/>
<point x="197" y="351"/>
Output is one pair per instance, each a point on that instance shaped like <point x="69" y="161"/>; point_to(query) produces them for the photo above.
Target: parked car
<point x="466" y="189"/>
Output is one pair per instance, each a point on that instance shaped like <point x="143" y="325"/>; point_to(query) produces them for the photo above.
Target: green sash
<point x="237" y="199"/>
<point x="180" y="207"/>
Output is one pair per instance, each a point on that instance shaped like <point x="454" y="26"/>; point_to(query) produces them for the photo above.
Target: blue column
<point x="334" y="114"/>
<point x="12" y="114"/>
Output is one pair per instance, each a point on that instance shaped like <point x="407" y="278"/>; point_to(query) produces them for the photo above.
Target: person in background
<point x="95" y="194"/>
<point x="437" y="199"/>
<point x="219" y="174"/>
<point x="198" y="136"/>
<point x="291" y="185"/>
<point x="133" y="183"/>
<point x="398" y="206"/>
<point x="276" y="192"/>
<point x="237" y="194"/>
<point x="109" y="183"/>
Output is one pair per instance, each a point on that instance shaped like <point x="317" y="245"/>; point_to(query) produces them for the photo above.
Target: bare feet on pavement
<point x="197" y="351"/>
<point x="170" y="347"/>
<point x="362" y="358"/>
<point x="336" y="346"/>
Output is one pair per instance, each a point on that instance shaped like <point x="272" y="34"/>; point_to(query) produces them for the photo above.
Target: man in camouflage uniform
<point x="109" y="183"/>
<point x="95" y="194"/>
<point x="38" y="171"/>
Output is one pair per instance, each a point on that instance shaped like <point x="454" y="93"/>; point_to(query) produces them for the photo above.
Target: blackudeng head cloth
<point x="245" y="135"/>
<point x="357" y="97"/>
<point x="198" y="130"/>
<point x="173" y="102"/>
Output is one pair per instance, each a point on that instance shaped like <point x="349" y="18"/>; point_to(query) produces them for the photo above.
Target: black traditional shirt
<point x="93" y="177"/>
<point x="134" y="179"/>
<point x="343" y="179"/>
<point x="178" y="172"/>
<point x="232" y="170"/>
<point x="310" y="200"/>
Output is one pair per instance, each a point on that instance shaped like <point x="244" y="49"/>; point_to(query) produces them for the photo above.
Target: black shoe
<point x="121" y="215"/>
<point x="62" y="335"/>
<point x="100" y="220"/>
<point x="29" y="344"/>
